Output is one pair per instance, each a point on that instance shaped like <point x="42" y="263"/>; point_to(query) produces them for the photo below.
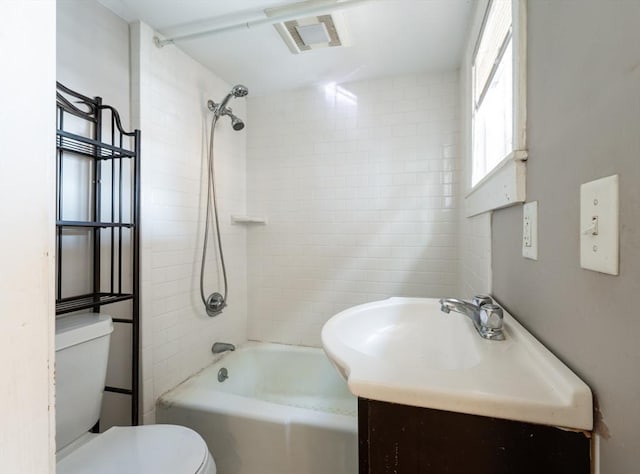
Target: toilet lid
<point x="151" y="449"/>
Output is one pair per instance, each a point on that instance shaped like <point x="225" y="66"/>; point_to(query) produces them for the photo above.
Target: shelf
<point x="77" y="303"/>
<point x="73" y="143"/>
<point x="93" y="224"/>
<point x="235" y="219"/>
<point x="108" y="186"/>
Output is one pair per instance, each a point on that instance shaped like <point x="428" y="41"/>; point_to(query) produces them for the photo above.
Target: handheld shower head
<point x="239" y="90"/>
<point x="236" y="91"/>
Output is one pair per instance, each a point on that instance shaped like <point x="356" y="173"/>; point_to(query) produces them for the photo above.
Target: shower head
<point x="239" y="90"/>
<point x="236" y="91"/>
<point x="236" y="123"/>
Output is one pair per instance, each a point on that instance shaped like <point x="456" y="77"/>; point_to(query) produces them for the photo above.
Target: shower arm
<point x="290" y="12"/>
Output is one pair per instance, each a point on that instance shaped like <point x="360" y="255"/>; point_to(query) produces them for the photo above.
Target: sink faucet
<point x="220" y="347"/>
<point x="486" y="316"/>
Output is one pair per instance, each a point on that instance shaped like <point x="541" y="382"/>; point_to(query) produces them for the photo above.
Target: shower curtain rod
<point x="289" y="12"/>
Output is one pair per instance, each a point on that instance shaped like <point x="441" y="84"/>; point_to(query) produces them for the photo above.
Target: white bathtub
<point x="283" y="410"/>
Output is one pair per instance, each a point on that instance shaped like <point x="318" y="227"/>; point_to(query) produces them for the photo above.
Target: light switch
<point x="599" y="228"/>
<point x="530" y="230"/>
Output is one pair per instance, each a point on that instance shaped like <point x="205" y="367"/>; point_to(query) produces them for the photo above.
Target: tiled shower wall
<point x="169" y="95"/>
<point x="359" y="185"/>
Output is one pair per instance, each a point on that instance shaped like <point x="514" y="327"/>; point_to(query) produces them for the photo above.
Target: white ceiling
<point x="387" y="37"/>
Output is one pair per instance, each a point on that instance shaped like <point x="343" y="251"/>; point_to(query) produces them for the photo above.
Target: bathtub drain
<point x="223" y="374"/>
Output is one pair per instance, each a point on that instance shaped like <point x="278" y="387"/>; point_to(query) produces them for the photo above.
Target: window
<point x="492" y="83"/>
<point x="495" y="65"/>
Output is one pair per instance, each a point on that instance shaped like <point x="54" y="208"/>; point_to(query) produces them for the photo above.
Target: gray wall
<point x="584" y="123"/>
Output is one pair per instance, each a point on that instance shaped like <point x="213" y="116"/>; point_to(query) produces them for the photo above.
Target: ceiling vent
<point x="315" y="32"/>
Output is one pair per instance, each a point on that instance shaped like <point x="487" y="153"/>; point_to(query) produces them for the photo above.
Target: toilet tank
<point x="82" y="351"/>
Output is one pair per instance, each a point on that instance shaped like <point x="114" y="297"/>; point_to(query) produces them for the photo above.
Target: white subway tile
<point x="172" y="208"/>
<point x="360" y="200"/>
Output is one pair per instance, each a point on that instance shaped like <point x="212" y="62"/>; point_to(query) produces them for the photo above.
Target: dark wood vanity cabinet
<point x="401" y="439"/>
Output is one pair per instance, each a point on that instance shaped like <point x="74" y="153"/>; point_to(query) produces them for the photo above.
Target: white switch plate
<point x="530" y="230"/>
<point x="599" y="229"/>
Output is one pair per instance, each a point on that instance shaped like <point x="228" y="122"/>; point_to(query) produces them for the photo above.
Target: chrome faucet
<point x="220" y="347"/>
<point x="487" y="317"/>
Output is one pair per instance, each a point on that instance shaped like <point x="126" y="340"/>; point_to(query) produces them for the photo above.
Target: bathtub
<point x="282" y="410"/>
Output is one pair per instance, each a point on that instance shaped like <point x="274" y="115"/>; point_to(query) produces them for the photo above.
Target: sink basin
<point x="383" y="330"/>
<point x="405" y="350"/>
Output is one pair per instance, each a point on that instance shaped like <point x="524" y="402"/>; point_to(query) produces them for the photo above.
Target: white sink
<point x="405" y="350"/>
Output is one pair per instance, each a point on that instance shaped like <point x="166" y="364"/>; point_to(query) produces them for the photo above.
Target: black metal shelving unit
<point x="90" y="136"/>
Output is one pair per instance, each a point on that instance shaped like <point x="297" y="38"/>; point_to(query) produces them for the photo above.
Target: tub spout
<point x="220" y="347"/>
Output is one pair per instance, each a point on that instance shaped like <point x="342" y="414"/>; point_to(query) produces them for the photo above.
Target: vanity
<point x="435" y="397"/>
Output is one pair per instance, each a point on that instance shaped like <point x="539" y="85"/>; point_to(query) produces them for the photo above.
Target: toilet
<point x="82" y="350"/>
